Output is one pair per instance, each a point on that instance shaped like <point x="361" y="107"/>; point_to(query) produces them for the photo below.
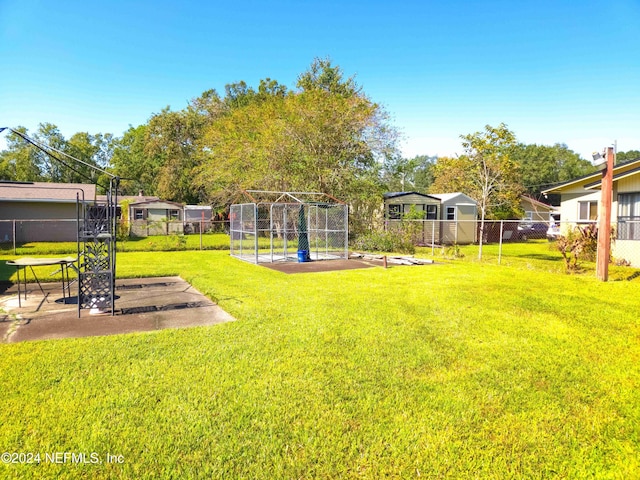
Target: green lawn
<point x="210" y="241"/>
<point x="457" y="370"/>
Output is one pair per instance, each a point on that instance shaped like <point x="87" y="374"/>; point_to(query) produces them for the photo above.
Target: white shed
<point x="459" y="214"/>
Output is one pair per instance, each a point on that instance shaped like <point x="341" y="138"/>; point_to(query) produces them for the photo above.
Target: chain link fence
<point x="14" y="232"/>
<point x="505" y="238"/>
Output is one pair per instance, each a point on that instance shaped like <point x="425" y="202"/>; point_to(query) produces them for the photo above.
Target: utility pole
<point x="604" y="226"/>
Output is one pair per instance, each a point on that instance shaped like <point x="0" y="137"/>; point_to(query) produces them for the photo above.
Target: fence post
<point x="201" y="228"/>
<point x="433" y="238"/>
<point x="14" y="237"/>
<point x="500" y="242"/>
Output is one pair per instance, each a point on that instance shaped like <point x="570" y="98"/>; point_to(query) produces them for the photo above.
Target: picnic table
<point x="30" y="262"/>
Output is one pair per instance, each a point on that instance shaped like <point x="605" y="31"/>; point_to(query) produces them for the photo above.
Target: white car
<point x="553" y="232"/>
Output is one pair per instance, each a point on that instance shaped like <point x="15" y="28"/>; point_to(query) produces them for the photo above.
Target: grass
<point x="210" y="241"/>
<point x="457" y="370"/>
<point x="531" y="255"/>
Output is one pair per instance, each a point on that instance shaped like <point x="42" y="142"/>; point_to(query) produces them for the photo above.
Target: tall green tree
<point x="627" y="156"/>
<point x="403" y="174"/>
<point x="486" y="172"/>
<point x="315" y="139"/>
<point x="172" y="139"/>
<point x="49" y="135"/>
<point x="19" y="161"/>
<point x="322" y="75"/>
<point x="138" y="171"/>
<point x="542" y="165"/>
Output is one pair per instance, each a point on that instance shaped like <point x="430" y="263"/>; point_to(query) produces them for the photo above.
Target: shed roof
<point x="402" y="194"/>
<point x="459" y="197"/>
<point x="46" y="192"/>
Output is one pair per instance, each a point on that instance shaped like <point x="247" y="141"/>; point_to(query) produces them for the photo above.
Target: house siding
<point x="629" y="184"/>
<point x="569" y="210"/>
<point x="156" y="219"/>
<point x="38" y="221"/>
<point x="463" y="229"/>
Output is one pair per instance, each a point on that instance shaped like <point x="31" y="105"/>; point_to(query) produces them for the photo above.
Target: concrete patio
<point x="142" y="304"/>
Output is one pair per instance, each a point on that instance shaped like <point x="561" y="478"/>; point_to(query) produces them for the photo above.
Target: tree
<point x="542" y="165"/>
<point x="138" y="171"/>
<point x="23" y="161"/>
<point x="94" y="151"/>
<point x="322" y="75"/>
<point x="313" y="140"/>
<point x="627" y="156"/>
<point x="173" y="138"/>
<point x="19" y="161"/>
<point x="53" y="170"/>
<point x="486" y="173"/>
<point x="402" y="174"/>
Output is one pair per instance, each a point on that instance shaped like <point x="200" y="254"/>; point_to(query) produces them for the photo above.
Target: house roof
<point x="151" y="203"/>
<point x="616" y="176"/>
<point x="197" y="207"/>
<point x="402" y="194"/>
<point x="121" y="198"/>
<point x="46" y="192"/>
<point x="593" y="178"/>
<point x="538" y="203"/>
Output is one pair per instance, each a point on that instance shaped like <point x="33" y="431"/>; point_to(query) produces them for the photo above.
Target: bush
<point x="580" y="243"/>
<point x="387" y="241"/>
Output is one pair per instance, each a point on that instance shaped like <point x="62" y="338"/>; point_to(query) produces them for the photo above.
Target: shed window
<point x="174" y="214"/>
<point x="138" y="214"/>
<point x="395" y="212"/>
<point x="432" y="212"/>
<point x="451" y="213"/>
<point x="587" y="211"/>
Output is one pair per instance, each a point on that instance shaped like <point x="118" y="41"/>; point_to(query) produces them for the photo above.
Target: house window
<point x="395" y="212"/>
<point x="138" y="214"/>
<point x="451" y="213"/>
<point x="528" y="216"/>
<point x="432" y="212"/>
<point x="174" y="214"/>
<point x="587" y="211"/>
<point x="629" y="216"/>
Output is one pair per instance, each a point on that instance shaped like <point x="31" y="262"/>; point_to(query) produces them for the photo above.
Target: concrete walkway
<point x="142" y="304"/>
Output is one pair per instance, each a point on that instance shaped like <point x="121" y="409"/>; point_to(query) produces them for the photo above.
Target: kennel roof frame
<point x="268" y="196"/>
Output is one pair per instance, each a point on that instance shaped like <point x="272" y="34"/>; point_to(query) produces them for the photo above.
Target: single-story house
<point x="536" y="211"/>
<point x="453" y="215"/>
<point x="41" y="211"/>
<point x="156" y="217"/>
<point x="580" y="204"/>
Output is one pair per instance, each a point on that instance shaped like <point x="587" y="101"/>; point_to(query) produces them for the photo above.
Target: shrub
<point x="580" y="243"/>
<point x="386" y="241"/>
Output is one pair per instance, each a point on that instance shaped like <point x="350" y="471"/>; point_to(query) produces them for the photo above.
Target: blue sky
<point x="553" y="71"/>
